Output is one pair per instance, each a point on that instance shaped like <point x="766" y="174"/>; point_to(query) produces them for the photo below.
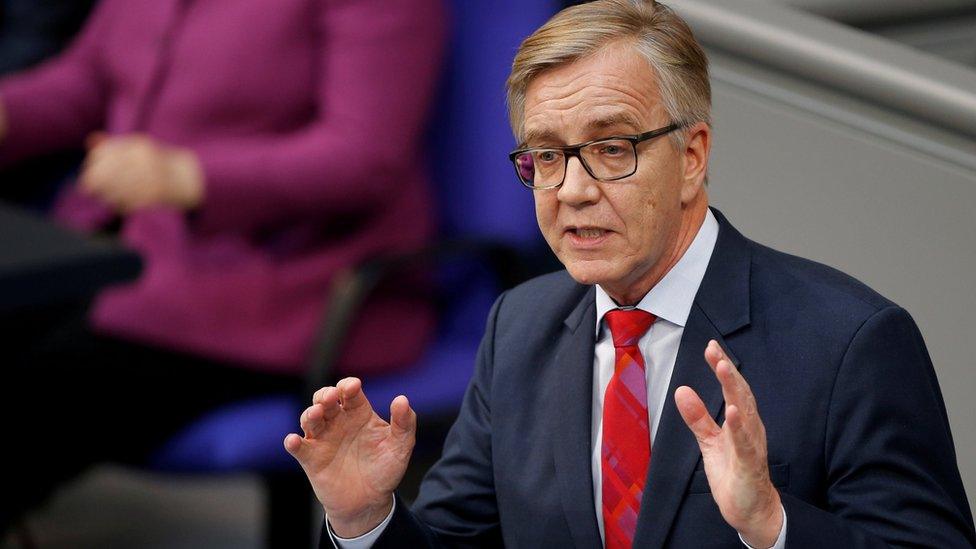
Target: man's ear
<point x="698" y="145"/>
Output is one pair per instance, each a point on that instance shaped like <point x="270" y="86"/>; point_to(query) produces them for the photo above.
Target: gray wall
<point x="840" y="180"/>
<point x="864" y="11"/>
<point x="859" y="152"/>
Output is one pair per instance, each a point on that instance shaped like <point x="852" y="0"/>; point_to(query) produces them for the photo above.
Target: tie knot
<point x="628" y="325"/>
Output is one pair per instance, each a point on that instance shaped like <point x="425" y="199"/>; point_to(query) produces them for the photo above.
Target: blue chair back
<point x="477" y="191"/>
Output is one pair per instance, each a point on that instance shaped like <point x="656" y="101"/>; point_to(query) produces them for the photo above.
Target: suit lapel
<point x="571" y="422"/>
<point x="675" y="450"/>
<point x="721" y="307"/>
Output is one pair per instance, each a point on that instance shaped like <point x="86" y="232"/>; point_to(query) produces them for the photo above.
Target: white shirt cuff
<point x="364" y="541"/>
<point x="780" y="541"/>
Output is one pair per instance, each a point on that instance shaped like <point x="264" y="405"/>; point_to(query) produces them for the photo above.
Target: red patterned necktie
<point x="626" y="450"/>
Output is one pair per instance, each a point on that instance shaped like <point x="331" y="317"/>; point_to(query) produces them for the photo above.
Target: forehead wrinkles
<point x="580" y="95"/>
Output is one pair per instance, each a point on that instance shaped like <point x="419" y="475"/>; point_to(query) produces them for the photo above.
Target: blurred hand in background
<point x="136" y="171"/>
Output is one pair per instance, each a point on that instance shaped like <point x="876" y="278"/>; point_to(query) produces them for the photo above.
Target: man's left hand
<point x="735" y="454"/>
<point x="135" y="171"/>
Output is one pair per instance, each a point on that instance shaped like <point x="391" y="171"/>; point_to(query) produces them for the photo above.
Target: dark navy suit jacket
<point x="859" y="442"/>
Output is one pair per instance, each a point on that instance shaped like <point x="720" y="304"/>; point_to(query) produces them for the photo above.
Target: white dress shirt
<point x="670" y="300"/>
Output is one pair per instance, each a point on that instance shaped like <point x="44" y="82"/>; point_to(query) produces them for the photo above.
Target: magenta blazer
<point x="308" y="119"/>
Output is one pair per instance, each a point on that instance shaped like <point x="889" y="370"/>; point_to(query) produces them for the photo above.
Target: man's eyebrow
<point x="609" y="121"/>
<point x="536" y="136"/>
<point x="615" y="119"/>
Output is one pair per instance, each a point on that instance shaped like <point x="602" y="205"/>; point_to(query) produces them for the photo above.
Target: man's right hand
<point x="353" y="458"/>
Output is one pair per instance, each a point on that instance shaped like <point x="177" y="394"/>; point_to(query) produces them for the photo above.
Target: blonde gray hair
<point x="660" y="35"/>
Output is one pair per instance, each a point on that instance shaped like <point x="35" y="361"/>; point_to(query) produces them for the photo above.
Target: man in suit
<point x="678" y="385"/>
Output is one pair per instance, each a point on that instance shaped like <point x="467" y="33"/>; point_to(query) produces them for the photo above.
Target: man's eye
<point x="548" y="156"/>
<point x="611" y="150"/>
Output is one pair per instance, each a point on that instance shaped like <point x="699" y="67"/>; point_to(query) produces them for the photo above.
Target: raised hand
<point x="353" y="458"/>
<point x="734" y="454"/>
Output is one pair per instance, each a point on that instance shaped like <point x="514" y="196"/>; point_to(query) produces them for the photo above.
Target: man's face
<point x="624" y="234"/>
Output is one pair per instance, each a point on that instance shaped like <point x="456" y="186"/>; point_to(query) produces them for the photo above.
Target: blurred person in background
<point x="248" y="150"/>
<point x="30" y="32"/>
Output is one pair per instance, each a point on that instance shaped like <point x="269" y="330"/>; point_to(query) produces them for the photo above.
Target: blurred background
<point x="364" y="216"/>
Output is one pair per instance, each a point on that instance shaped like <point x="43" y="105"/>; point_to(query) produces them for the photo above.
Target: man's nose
<point x="579" y="187"/>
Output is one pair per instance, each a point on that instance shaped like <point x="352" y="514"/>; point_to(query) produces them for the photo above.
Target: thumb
<point x="403" y="420"/>
<point x="298" y="447"/>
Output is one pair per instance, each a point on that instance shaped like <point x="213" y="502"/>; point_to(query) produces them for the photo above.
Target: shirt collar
<point x="671" y="298"/>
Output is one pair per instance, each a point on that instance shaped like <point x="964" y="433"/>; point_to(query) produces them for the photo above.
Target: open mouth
<point x="587" y="235"/>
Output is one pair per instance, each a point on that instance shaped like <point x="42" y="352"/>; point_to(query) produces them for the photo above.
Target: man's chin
<point x="589" y="272"/>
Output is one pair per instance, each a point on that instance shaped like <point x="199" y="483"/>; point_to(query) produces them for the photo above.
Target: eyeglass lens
<point x="607" y="159"/>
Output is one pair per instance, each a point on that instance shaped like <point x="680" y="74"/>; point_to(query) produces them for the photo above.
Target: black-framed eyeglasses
<point x="605" y="159"/>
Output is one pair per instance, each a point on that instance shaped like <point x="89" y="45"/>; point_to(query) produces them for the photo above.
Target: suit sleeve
<point x="57" y="104"/>
<point x="456" y="506"/>
<point x="379" y="61"/>
<point x="891" y="472"/>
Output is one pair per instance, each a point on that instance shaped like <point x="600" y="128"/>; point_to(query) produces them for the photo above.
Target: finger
<point x="97" y="184"/>
<point x="319" y="396"/>
<point x="329" y="402"/>
<point x="713" y="353"/>
<point x="97" y="173"/>
<point x="722" y="367"/>
<point x="403" y="420"/>
<point x="313" y="421"/>
<point x="104" y="148"/>
<point x="742" y="439"/>
<point x="297" y="446"/>
<point x="351" y="394"/>
<point x="94" y="182"/>
<point x="90" y="169"/>
<point x="735" y="388"/>
<point x="729" y="389"/>
<point x="86" y="182"/>
<point x="695" y="415"/>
